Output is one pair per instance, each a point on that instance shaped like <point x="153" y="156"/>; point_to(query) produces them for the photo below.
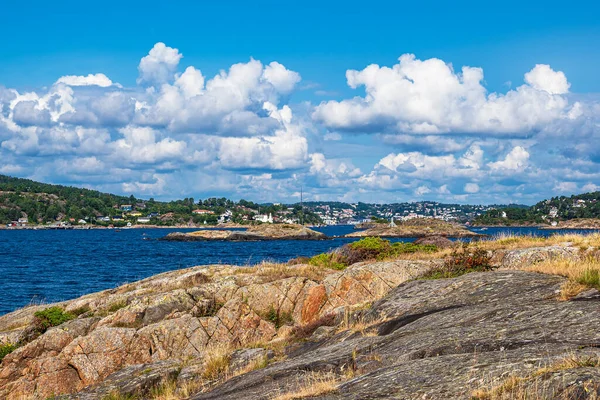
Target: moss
<point x="53" y="316"/>
<point x="6" y="349"/>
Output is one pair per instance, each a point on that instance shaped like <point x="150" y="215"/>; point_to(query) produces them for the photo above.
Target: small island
<point x="253" y="233"/>
<point x="418" y="227"/>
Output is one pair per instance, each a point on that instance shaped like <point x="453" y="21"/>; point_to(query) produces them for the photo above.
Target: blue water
<point x="49" y="266"/>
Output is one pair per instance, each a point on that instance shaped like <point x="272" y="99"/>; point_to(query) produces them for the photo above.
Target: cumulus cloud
<point x="542" y="77"/>
<point x="430" y="131"/>
<point x="429" y="97"/>
<point x="471" y="188"/>
<point x="89" y="80"/>
<point x="516" y="160"/>
<point x="159" y="65"/>
<point x="286" y="149"/>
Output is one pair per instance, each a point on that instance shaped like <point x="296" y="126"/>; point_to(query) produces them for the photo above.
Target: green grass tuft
<point x="53" y="316"/>
<point x="6" y="349"/>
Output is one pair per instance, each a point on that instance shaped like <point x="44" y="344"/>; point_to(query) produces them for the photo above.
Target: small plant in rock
<point x="467" y="259"/>
<point x="116" y="306"/>
<point x="6" y="349"/>
<point x="278" y="317"/>
<point x="590" y="278"/>
<point x="53" y="316"/>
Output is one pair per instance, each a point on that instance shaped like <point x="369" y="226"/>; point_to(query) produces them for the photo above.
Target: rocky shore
<point x="253" y="233"/>
<point x="372" y="330"/>
<point x="578" y="223"/>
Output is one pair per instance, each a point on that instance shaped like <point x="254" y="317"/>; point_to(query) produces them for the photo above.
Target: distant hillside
<point x="41" y="203"/>
<point x="586" y="205"/>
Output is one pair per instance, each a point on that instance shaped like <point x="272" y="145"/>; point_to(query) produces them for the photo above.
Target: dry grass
<point x="217" y="362"/>
<point x="507" y="241"/>
<point x="276" y="271"/>
<point x="528" y="387"/>
<point x="313" y="385"/>
<point x="259" y="363"/>
<point x="582" y="274"/>
<point x="358" y="325"/>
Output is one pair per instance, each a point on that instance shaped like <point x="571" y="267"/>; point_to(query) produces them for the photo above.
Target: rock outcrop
<point x="416" y="228"/>
<point x="449" y="339"/>
<point x="178" y="316"/>
<point x="577" y="223"/>
<point x="373" y="331"/>
<point x="253" y="233"/>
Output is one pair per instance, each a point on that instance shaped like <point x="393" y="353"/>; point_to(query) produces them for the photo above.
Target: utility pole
<point x="301" y="208"/>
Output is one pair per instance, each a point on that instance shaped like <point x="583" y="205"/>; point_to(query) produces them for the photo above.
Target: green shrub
<point x="328" y="260"/>
<point x="53" y="316"/>
<point x="376" y="248"/>
<point x="6" y="349"/>
<point x="462" y="262"/>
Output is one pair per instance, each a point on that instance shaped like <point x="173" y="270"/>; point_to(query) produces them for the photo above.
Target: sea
<point x="46" y="266"/>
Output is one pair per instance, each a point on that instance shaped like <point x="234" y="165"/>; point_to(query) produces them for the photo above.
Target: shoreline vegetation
<point x="365" y="310"/>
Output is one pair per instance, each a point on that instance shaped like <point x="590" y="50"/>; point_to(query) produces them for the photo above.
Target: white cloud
<point x="159" y="65"/>
<point x="437" y="133"/>
<point x="333" y="136"/>
<point x="89" y="80"/>
<point x="471" y="188"/>
<point x="332" y="172"/>
<point x="286" y="149"/>
<point x="516" y="160"/>
<point x="421" y="190"/>
<point x="428" y="96"/>
<point x="282" y="79"/>
<point x="542" y="77"/>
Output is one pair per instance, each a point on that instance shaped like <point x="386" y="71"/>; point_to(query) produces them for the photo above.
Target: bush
<point x="376" y="248"/>
<point x="6" y="349"/>
<point x="53" y="316"/>
<point x="366" y="249"/>
<point x="462" y="262"/>
<point x="328" y="260"/>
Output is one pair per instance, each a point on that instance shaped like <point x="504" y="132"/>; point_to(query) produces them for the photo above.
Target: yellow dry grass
<point x="508" y="241"/>
<point x="313" y="385"/>
<point x="527" y="387"/>
<point x="217" y="361"/>
<point x="276" y="271"/>
<point x="582" y="273"/>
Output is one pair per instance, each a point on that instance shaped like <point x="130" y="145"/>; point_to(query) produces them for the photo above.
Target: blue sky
<point x="420" y="130"/>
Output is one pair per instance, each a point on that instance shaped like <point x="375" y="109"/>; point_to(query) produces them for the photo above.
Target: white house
<point x="264" y="218"/>
<point x="143" y="220"/>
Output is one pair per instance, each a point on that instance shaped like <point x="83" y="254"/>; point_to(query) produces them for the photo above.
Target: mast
<point x="301" y="208"/>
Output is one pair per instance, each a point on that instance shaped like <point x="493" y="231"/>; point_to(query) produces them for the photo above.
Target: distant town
<point x="28" y="204"/>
